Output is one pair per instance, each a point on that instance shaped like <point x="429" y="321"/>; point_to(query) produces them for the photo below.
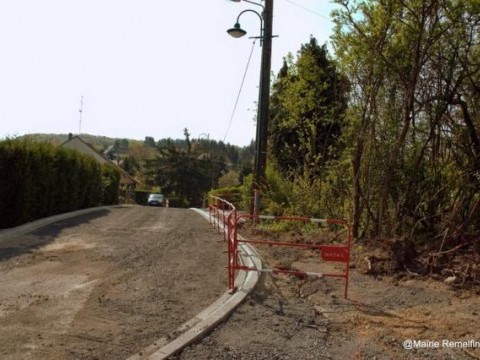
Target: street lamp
<point x="266" y="19"/>
<point x="236" y="31"/>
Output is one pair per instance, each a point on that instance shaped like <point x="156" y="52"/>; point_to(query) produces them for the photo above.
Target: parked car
<point x="155" y="200"/>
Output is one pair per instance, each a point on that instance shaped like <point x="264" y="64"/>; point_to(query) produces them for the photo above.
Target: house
<point x="127" y="183"/>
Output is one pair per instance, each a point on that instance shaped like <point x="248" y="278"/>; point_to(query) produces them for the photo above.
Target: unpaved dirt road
<point x="106" y="284"/>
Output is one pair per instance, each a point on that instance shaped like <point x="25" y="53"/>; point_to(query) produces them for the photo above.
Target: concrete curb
<point x="28" y="227"/>
<point x="211" y="316"/>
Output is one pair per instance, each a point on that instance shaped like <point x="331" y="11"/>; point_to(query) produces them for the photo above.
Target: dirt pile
<point x="456" y="266"/>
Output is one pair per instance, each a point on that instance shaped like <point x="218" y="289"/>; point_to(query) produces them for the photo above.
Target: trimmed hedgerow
<point x="40" y="179"/>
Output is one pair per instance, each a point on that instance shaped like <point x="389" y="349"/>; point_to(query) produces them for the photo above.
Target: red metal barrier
<point x="219" y="211"/>
<point x="225" y="213"/>
<point x="331" y="253"/>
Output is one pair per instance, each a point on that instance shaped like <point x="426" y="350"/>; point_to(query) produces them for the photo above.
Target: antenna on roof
<point x="81" y="113"/>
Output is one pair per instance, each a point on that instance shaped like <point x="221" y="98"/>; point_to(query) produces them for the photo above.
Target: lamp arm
<point x="255" y="12"/>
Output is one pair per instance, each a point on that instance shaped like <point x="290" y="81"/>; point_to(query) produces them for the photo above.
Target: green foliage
<point x="130" y="165"/>
<point x="110" y="184"/>
<point x="413" y="134"/>
<point x="306" y="195"/>
<point x="246" y="191"/>
<point x="307" y="110"/>
<point x="281" y="227"/>
<point x="40" y="179"/>
<point x="230" y="178"/>
<point x="406" y="158"/>
<point x="184" y="174"/>
<point x="149" y="141"/>
<point x="278" y="199"/>
<point x="186" y="170"/>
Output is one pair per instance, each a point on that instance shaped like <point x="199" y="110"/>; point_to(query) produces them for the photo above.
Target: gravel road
<point x="106" y="284"/>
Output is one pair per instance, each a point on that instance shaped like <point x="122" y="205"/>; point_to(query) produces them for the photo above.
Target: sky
<point x="143" y="67"/>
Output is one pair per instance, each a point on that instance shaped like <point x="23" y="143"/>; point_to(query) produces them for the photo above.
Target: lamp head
<point x="236" y="31"/>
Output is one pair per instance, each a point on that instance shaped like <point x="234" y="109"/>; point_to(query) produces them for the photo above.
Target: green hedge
<point x="40" y="179"/>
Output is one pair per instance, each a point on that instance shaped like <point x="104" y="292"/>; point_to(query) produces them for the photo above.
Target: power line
<point x="239" y="91"/>
<point x="307" y="9"/>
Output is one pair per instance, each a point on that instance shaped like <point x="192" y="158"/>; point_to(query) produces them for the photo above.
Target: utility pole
<point x="266" y="20"/>
<point x="263" y="105"/>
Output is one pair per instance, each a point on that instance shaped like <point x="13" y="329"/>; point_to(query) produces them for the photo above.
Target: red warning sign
<point x="334" y="253"/>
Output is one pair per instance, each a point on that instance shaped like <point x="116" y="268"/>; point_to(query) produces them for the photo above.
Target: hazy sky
<point x="143" y="67"/>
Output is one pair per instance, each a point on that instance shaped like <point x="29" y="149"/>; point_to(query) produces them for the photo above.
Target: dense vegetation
<point x="387" y="133"/>
<point x="187" y="169"/>
<point x="413" y="114"/>
<point x="40" y="179"/>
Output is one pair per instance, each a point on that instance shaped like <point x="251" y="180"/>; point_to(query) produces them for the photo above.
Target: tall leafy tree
<point x="184" y="174"/>
<point x="307" y="111"/>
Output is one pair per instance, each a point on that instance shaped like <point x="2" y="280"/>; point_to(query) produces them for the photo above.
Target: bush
<point x="277" y="200"/>
<point x="307" y="195"/>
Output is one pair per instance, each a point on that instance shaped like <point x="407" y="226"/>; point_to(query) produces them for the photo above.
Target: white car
<point x="155" y="200"/>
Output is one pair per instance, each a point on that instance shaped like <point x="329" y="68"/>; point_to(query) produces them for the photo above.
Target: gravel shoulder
<point x="308" y="318"/>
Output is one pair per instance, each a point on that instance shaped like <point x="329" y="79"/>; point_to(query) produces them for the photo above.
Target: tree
<point x="150" y="141"/>
<point x="307" y="109"/>
<point x="130" y="165"/>
<point x="231" y="178"/>
<point x="187" y="140"/>
<point x="412" y="117"/>
<point x="183" y="174"/>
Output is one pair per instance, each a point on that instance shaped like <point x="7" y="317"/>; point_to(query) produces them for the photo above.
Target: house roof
<point x="80" y="145"/>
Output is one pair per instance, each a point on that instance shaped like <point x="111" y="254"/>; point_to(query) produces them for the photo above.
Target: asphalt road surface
<point x="106" y="284"/>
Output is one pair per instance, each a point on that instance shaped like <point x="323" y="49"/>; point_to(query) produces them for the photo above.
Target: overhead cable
<point x="239" y="91"/>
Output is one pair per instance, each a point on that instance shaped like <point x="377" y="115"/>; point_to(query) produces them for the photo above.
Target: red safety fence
<point x="219" y="211"/>
<point x="225" y="213"/>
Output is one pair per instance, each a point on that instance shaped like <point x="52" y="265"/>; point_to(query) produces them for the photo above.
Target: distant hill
<point x="99" y="142"/>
